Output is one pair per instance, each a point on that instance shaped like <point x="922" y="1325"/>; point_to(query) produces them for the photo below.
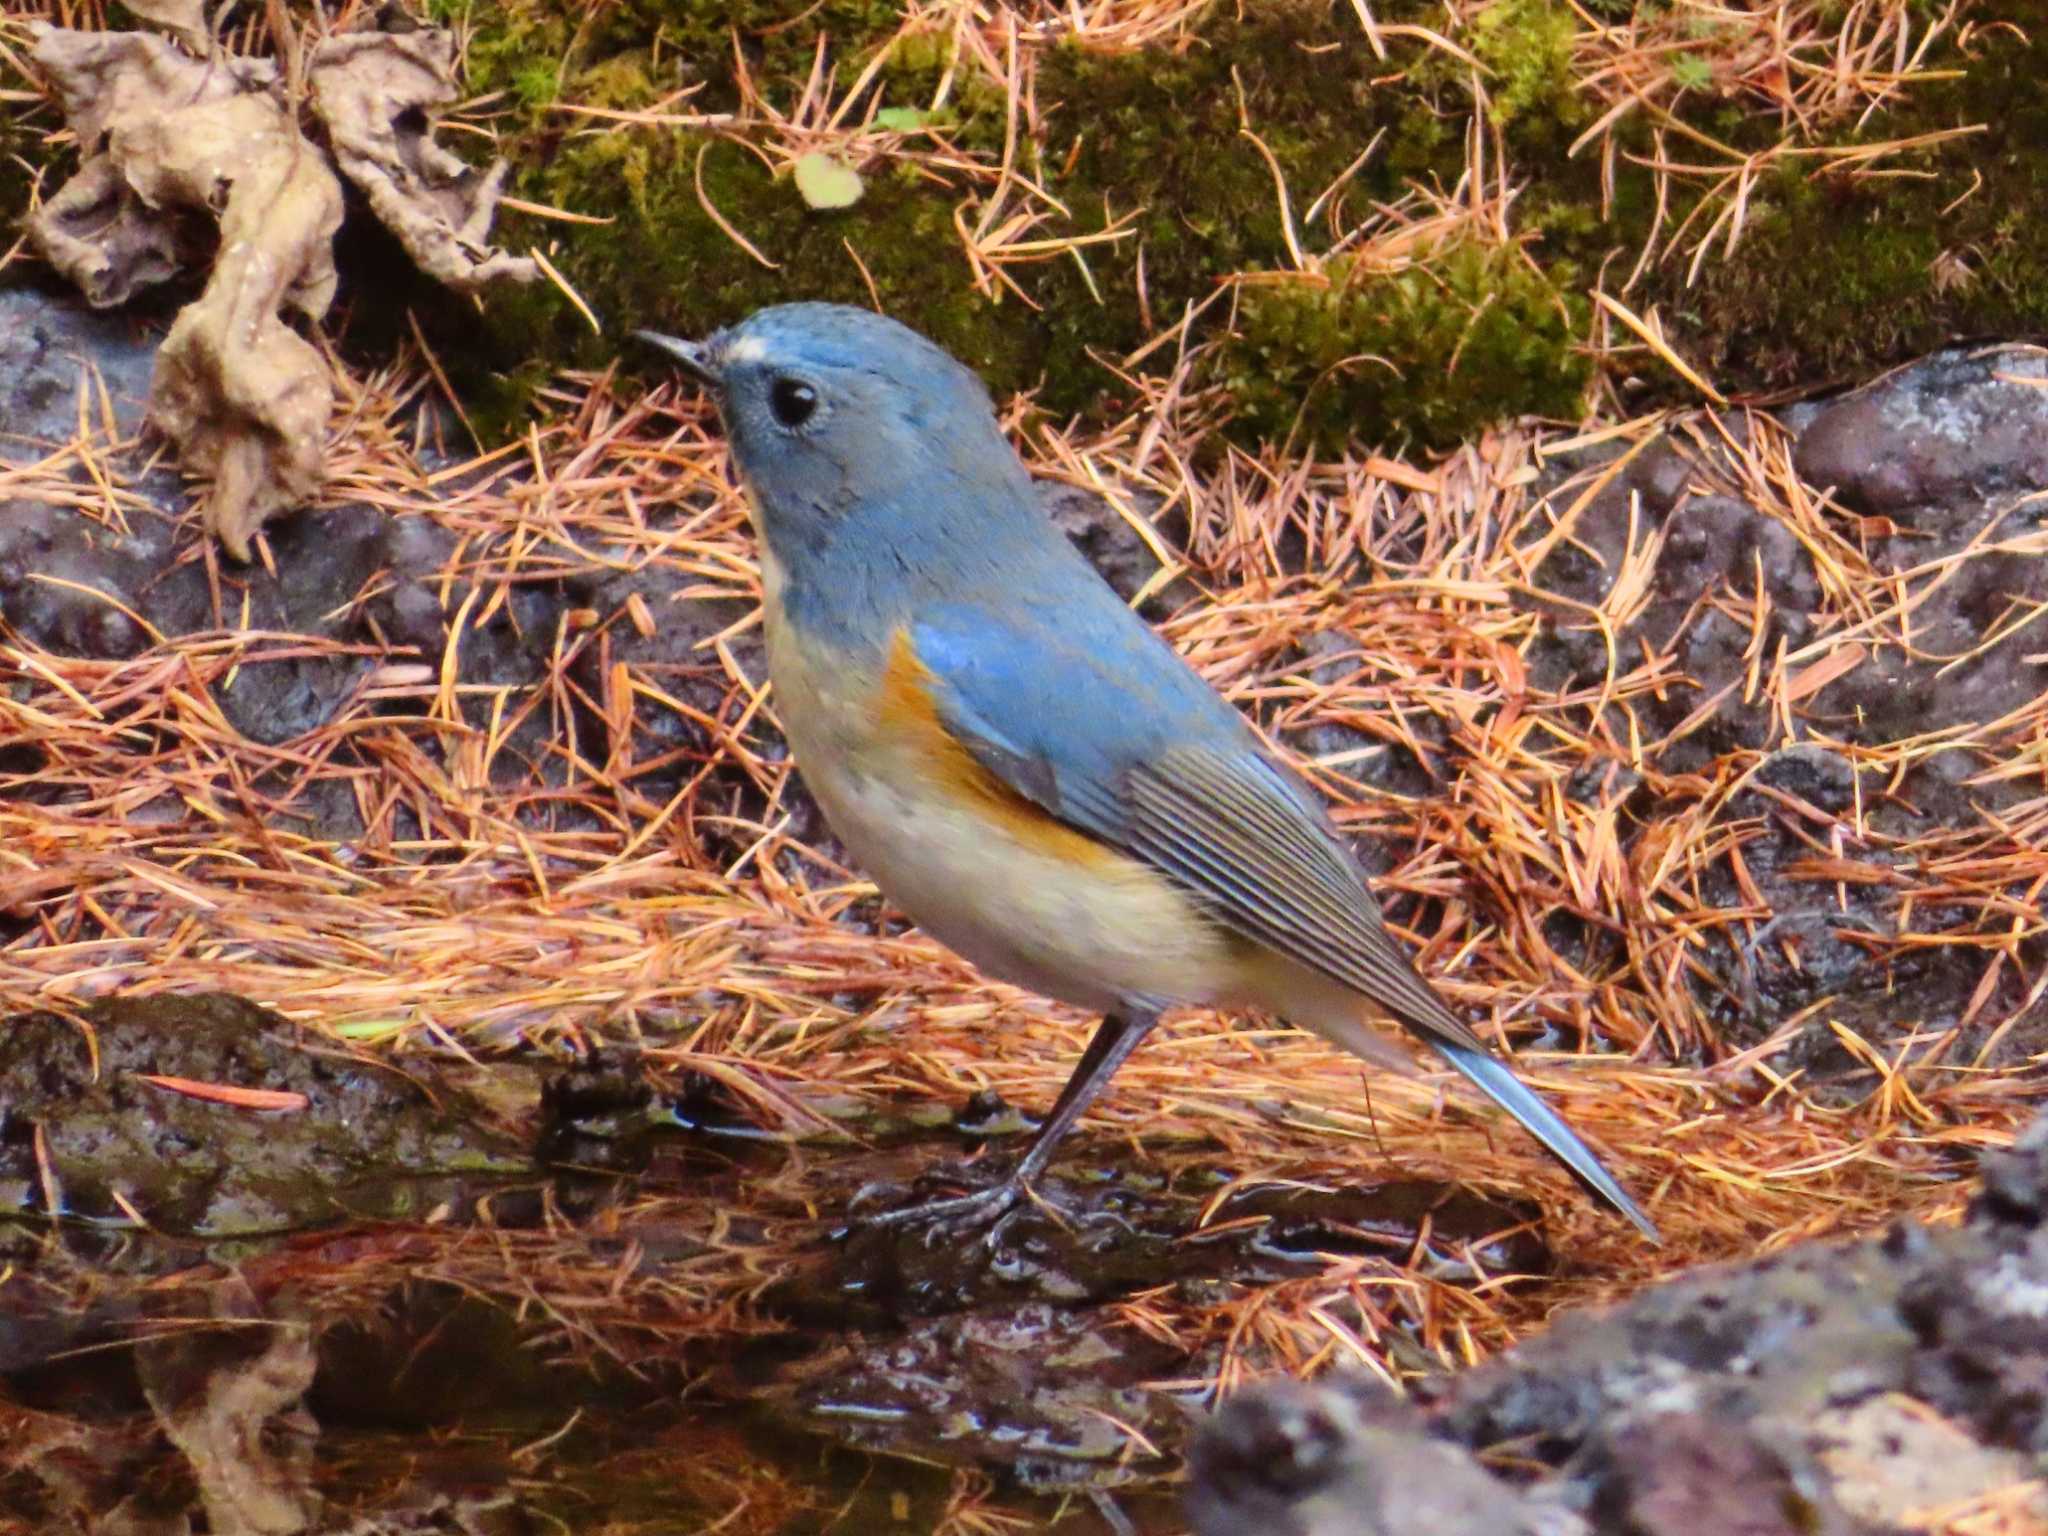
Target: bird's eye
<point x="792" y="400"/>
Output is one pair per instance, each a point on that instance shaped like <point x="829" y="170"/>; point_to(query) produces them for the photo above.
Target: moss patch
<point x="1156" y="135"/>
<point x="1527" y="44"/>
<point x="1321" y="361"/>
<point x="1833" y="277"/>
<point x="1837" y="278"/>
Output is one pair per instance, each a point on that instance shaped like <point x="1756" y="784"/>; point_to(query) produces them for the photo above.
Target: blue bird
<point x="1021" y="763"/>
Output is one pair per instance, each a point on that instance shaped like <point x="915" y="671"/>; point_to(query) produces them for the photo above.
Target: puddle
<point x="248" y="1272"/>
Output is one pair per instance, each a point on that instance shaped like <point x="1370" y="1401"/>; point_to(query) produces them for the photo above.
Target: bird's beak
<point x="699" y="358"/>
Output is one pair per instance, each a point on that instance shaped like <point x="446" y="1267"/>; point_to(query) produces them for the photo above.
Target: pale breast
<point x="1033" y="904"/>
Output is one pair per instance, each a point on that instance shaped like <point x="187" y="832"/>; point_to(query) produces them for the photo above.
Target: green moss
<point x="1155" y="135"/>
<point x="499" y="402"/>
<point x="693" y="40"/>
<point x="665" y="261"/>
<point x="1837" y="277"/>
<point x="536" y="84"/>
<point x="1527" y="44"/>
<point x="1424" y="358"/>
<point x="1833" y="277"/>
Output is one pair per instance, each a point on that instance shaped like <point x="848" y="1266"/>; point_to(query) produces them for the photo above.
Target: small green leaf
<point x="1691" y="72"/>
<point x="899" y="119"/>
<point x="826" y="181"/>
<point x="368" y="1029"/>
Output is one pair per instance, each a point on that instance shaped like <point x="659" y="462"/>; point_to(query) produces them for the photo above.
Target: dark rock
<point x="1822" y="778"/>
<point x="668" y="742"/>
<point x="1371" y="751"/>
<point x="1708" y="545"/>
<point x="50" y="348"/>
<point x="1711" y="539"/>
<point x="52" y="565"/>
<point x="1965" y="424"/>
<point x="401" y="603"/>
<point x="1661" y="474"/>
<point x="1112" y="545"/>
<point x="2014" y="1188"/>
<point x="1712" y="544"/>
<point x="81" y="1124"/>
<point x="1718" y="555"/>
<point x="1296" y="1460"/>
<point x="1801" y="414"/>
<point x="1831" y="1388"/>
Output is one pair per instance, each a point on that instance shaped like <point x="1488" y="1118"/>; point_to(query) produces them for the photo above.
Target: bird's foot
<point x="992" y="1212"/>
<point x="987" y="1211"/>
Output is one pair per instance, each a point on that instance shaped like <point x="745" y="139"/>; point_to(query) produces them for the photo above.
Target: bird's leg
<point x="1115" y="1038"/>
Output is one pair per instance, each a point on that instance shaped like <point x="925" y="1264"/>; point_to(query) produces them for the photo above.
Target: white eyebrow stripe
<point x="747" y="349"/>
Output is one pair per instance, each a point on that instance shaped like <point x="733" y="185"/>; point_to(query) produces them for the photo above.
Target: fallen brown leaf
<point x="370" y="89"/>
<point x="170" y="141"/>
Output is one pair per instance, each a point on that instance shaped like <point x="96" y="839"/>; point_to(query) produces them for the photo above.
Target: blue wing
<point x="1086" y="712"/>
<point x="1099" y="723"/>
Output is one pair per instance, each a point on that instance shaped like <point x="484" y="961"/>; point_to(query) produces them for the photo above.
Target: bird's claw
<point x="989" y="1211"/>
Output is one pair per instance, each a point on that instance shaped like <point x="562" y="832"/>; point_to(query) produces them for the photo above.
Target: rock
<point x="1111" y="544"/>
<point x="1961" y="425"/>
<point x="50" y="349"/>
<point x="1691" y="1473"/>
<point x="1891" y="1462"/>
<point x="68" y="585"/>
<point x="1949" y="443"/>
<point x="81" y="1122"/>
<point x="1295" y="1460"/>
<point x="1823" y="779"/>
<point x="680" y="681"/>
<point x="356" y="587"/>
<point x="1832" y="1388"/>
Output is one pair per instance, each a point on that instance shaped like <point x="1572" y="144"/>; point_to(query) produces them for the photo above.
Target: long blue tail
<point x="1494" y="1078"/>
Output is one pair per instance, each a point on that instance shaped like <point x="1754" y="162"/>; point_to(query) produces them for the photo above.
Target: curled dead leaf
<point x="183" y="19"/>
<point x="243" y="395"/>
<point x="370" y="89"/>
<point x="97" y="230"/>
<point x="171" y="142"/>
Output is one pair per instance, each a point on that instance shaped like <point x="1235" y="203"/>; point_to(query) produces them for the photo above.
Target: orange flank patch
<point x="909" y="713"/>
